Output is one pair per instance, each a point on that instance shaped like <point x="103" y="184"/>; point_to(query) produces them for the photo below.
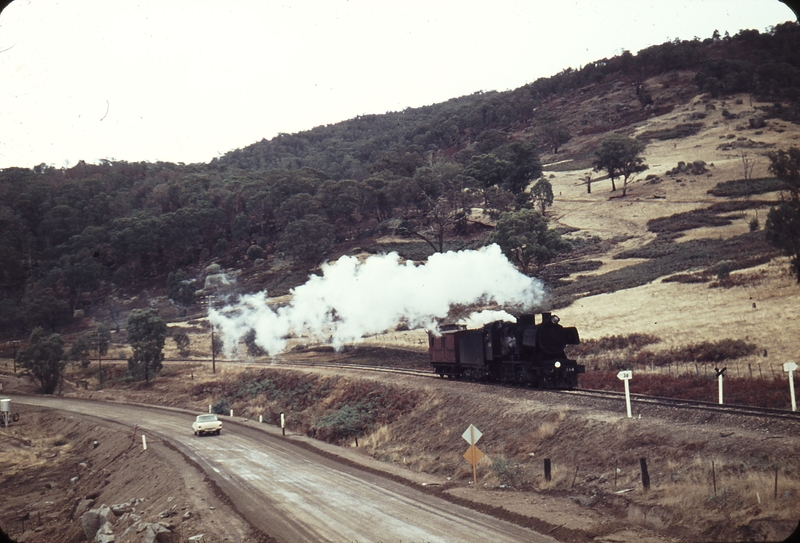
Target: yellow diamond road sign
<point x="473" y="455"/>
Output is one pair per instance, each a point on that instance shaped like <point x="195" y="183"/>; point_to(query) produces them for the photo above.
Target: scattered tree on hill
<point x="783" y="222"/>
<point x="542" y="194"/>
<point x="43" y="359"/>
<point x="181" y="339"/>
<point x="525" y="239"/>
<point x="620" y="156"/>
<point x="524" y="165"/>
<point x="554" y="135"/>
<point x="147" y="333"/>
<point x="444" y="203"/>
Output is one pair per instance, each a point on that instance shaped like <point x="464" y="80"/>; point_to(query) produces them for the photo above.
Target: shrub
<point x="221" y="407"/>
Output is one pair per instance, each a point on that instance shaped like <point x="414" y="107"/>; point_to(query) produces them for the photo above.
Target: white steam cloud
<point x="354" y="299"/>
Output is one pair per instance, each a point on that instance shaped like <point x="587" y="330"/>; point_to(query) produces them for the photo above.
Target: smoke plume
<point x="353" y="299"/>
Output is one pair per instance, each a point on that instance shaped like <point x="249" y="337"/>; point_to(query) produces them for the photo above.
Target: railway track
<point x="729" y="409"/>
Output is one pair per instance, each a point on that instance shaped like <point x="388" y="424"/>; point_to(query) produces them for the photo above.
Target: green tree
<point x="43" y="359"/>
<point x="782" y="227"/>
<point x="147" y="333"/>
<point x="620" y="156"/>
<point x="525" y="239"/>
<point x="554" y="135"/>
<point x="180" y="288"/>
<point x="488" y="170"/>
<point x="542" y="194"/>
<point x="79" y="350"/>
<point x="444" y="202"/>
<point x="41" y="306"/>
<point x="181" y="339"/>
<point x="524" y="165"/>
<point x="307" y="240"/>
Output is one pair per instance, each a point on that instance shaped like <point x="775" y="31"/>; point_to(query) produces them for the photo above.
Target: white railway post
<point x="790" y="367"/>
<point x="144" y="443"/>
<point x="626" y="376"/>
<point x="720" y="375"/>
<point x="283" y="425"/>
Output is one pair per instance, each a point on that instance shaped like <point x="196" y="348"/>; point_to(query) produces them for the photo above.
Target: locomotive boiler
<point x="523" y="352"/>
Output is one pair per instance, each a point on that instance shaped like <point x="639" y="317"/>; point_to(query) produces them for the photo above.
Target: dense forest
<point x="71" y="236"/>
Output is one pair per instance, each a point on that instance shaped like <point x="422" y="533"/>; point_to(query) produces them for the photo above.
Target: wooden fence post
<point x="714" y="478"/>
<point x="645" y="475"/>
<point x="776" y="484"/>
<point x="547" y="474"/>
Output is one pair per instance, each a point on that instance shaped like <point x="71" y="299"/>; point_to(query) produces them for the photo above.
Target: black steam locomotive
<point x="523" y="352"/>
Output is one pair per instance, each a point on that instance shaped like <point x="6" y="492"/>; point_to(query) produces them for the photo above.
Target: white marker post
<point x="283" y="425"/>
<point x="790" y="367"/>
<point x="720" y="375"/>
<point x="626" y="376"/>
<point x="144" y="443"/>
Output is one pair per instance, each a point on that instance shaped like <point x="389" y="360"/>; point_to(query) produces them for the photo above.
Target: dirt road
<point x="296" y="495"/>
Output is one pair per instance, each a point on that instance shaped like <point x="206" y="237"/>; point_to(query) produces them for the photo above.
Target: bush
<point x="221" y="407"/>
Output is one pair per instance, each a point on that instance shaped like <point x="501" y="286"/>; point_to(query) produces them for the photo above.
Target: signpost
<point x="720" y="375"/>
<point x="626" y="376"/>
<point x="473" y="454"/>
<point x="791" y="367"/>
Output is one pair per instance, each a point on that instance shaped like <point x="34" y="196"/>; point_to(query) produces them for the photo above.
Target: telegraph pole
<point x="213" y="354"/>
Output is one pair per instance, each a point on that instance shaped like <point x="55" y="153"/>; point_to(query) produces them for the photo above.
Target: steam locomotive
<point x="523" y="352"/>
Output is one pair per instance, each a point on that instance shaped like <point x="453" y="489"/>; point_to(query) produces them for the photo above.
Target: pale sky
<point x="189" y="80"/>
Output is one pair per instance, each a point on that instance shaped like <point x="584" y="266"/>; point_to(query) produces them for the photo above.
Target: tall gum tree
<point x="620" y="156"/>
<point x="783" y="222"/>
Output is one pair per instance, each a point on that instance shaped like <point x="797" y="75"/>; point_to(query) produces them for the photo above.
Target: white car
<point x="206" y="424"/>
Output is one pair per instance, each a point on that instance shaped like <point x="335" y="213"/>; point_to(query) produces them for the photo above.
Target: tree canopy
<point x="43" y="359"/>
<point x="620" y="156"/>
<point x="783" y="222"/>
<point x="525" y="239"/>
<point x="147" y="333"/>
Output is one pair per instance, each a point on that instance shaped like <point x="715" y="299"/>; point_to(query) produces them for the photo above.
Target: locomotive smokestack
<point x="546" y="317"/>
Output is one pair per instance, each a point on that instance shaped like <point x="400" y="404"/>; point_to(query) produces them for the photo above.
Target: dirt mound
<point x="60" y="471"/>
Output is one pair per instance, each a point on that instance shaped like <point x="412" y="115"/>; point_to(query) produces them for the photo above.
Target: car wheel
<point x="218" y="431"/>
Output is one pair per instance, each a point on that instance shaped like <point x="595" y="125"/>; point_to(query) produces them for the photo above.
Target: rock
<point x="105" y="534"/>
<point x="74" y="480"/>
<point x="83" y="506"/>
<point x="166" y="513"/>
<point x="198" y="537"/>
<point x="156" y="533"/>
<point x="121" y="508"/>
<point x="187" y="515"/>
<point x="94" y="519"/>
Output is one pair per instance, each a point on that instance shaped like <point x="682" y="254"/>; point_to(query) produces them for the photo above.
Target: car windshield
<point x="206" y="418"/>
